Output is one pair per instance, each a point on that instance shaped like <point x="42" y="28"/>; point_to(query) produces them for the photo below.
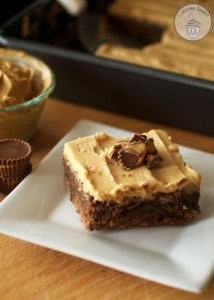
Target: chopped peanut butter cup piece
<point x="135" y="152"/>
<point x="129" y="158"/>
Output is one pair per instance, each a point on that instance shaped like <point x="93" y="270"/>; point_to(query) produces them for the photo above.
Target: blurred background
<point x="120" y="55"/>
<point x="11" y="8"/>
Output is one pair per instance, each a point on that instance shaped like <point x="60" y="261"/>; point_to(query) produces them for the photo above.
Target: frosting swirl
<point x="17" y="82"/>
<point x="108" y="174"/>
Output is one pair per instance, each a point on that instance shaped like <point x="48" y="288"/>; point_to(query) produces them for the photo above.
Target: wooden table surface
<point x="29" y="271"/>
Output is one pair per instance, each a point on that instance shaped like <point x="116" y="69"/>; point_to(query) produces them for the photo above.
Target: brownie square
<point x="117" y="183"/>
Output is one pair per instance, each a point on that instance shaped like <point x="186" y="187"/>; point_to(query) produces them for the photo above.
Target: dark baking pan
<point x="144" y="93"/>
<point x="12" y="8"/>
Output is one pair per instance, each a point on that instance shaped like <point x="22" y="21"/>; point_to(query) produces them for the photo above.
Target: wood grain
<point x="29" y="271"/>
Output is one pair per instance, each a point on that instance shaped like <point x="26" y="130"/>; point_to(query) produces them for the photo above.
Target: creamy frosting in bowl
<point x="25" y="83"/>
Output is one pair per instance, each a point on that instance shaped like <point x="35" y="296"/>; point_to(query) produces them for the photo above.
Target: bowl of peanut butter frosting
<point x="25" y="84"/>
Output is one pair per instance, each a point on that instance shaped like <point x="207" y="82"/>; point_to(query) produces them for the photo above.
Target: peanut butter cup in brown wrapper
<point x="7" y="184"/>
<point x="15" y="157"/>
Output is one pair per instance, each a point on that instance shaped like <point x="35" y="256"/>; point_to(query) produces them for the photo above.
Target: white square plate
<point x="39" y="211"/>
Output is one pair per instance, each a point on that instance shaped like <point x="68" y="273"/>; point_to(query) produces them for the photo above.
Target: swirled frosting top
<point x="17" y="83"/>
<point x="22" y="77"/>
<point x="105" y="175"/>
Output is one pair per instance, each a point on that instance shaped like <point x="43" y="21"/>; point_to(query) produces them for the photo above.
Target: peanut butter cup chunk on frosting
<point x="130" y="182"/>
<point x="136" y="151"/>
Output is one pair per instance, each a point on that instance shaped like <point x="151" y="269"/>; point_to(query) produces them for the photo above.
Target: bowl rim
<point x="37" y="98"/>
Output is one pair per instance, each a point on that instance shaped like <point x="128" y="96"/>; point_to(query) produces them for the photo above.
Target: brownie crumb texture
<point x="165" y="209"/>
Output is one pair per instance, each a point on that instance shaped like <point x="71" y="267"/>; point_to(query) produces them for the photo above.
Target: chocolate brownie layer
<point x="179" y="207"/>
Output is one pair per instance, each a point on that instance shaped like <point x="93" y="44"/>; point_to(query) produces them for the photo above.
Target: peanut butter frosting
<point x="18" y="82"/>
<point x="25" y="83"/>
<point x="106" y="179"/>
<point x="22" y="77"/>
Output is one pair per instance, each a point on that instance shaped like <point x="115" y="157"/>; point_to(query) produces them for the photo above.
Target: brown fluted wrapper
<point x="15" y="156"/>
<point x="7" y="184"/>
